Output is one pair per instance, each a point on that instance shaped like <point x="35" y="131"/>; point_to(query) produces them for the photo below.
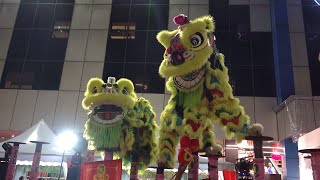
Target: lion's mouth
<point x="107" y="114"/>
<point x="190" y="80"/>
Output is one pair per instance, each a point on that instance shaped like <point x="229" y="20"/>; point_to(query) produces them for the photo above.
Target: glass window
<point x="221" y="17"/>
<point x="158" y="17"/>
<point x="262" y="49"/>
<point x="309" y="2"/>
<point x="135" y="72"/>
<point x="311" y="16"/>
<point x="136" y="47"/>
<point x="239" y="17"/>
<point x="44" y="16"/>
<point x="11" y="75"/>
<point x="223" y="44"/>
<point x="29" y="1"/>
<point x="25" y="16"/>
<point x="113" y="69"/>
<point x="264" y="81"/>
<point x="42" y="75"/>
<point x="119" y="14"/>
<point x="38" y="45"/>
<point x="240" y="52"/>
<point x="132" y="44"/>
<point x="19" y="44"/>
<point x="241" y="80"/>
<point x="313" y="49"/>
<point x="154" y="49"/>
<point x="63" y="15"/>
<point x="139" y="16"/>
<point x="154" y="83"/>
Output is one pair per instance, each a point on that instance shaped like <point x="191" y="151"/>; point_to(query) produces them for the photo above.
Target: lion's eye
<point x="124" y="91"/>
<point x="94" y="90"/>
<point x="196" y="40"/>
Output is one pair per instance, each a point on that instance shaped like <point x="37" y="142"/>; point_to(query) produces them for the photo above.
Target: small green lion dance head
<point x="108" y="103"/>
<point x="187" y="51"/>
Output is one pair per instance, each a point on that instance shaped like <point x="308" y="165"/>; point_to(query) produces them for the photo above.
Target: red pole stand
<point x="315" y="161"/>
<point x="90" y="156"/>
<point x="160" y="173"/>
<point x="108" y="155"/>
<point x="134" y="171"/>
<point x="36" y="160"/>
<point x="13" y="160"/>
<point x="213" y="167"/>
<point x="260" y="170"/>
<point x="193" y="170"/>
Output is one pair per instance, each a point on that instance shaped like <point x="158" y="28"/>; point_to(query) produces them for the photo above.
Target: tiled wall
<point x="84" y="58"/>
<point x="20" y="109"/>
<point x="298" y="49"/>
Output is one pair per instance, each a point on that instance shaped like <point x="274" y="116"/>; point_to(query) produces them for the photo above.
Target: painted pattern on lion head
<point x="187" y="51"/>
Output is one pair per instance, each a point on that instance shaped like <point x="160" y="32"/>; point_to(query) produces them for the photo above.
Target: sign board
<point x="102" y="170"/>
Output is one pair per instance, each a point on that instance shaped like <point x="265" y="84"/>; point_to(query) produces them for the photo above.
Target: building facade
<point x="49" y="49"/>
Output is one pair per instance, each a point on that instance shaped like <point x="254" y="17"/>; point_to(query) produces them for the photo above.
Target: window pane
<point x="19" y="44"/>
<point x="140" y="1"/>
<point x="262" y="49"/>
<point x="158" y="18"/>
<point x="116" y="49"/>
<point x="240" y="52"/>
<point x="63" y="16"/>
<point x="44" y="16"/>
<point x="29" y="1"/>
<point x="39" y="44"/>
<point x="159" y="1"/>
<point x="311" y="16"/>
<point x="223" y="43"/>
<point x="58" y="45"/>
<point x="25" y="16"/>
<point x="42" y="75"/>
<point x="121" y="1"/>
<point x="113" y="70"/>
<point x="264" y="82"/>
<point x="119" y="14"/>
<point x="139" y="16"/>
<point x="239" y="18"/>
<point x="221" y="17"/>
<point x="241" y="80"/>
<point x="155" y="49"/>
<point x="309" y="2"/>
<point x="11" y="75"/>
<point x="135" y="72"/>
<point x="136" y="47"/>
<point x="313" y="49"/>
<point x="154" y="83"/>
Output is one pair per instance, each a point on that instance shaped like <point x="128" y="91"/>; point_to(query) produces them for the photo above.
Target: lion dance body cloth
<point x="119" y="121"/>
<point x="201" y="93"/>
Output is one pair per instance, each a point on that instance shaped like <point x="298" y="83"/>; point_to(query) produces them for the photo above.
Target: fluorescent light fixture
<point x="317" y="2"/>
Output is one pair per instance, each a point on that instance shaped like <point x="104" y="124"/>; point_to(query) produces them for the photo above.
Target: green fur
<point x="103" y="136"/>
<point x="189" y="99"/>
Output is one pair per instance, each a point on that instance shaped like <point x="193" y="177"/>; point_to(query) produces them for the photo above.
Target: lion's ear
<point x="165" y="37"/>
<point x="209" y="23"/>
<point x="126" y="84"/>
<point x="94" y="86"/>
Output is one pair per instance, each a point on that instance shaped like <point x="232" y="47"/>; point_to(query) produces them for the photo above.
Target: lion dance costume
<point x="201" y="93"/>
<point x="119" y="121"/>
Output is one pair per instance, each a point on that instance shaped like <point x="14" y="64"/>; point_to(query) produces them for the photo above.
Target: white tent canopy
<point x="38" y="132"/>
